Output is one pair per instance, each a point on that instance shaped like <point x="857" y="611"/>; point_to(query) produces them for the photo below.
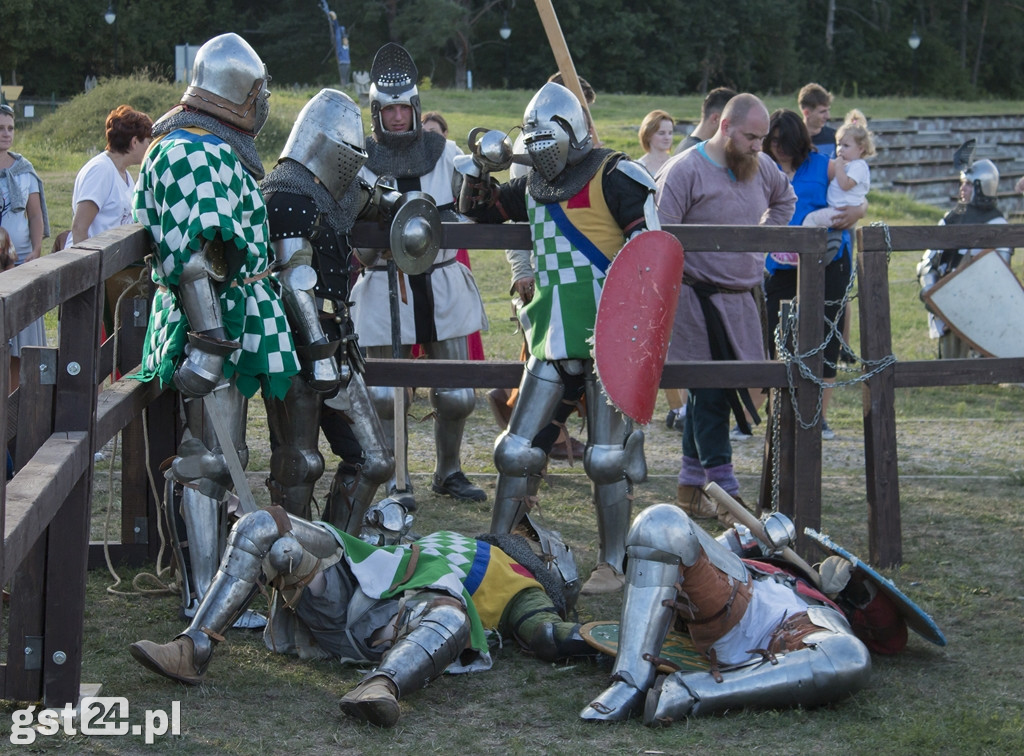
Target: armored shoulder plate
<point x="637" y="172"/>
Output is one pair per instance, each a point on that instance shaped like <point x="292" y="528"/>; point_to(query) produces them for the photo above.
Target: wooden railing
<point x="58" y="418"/>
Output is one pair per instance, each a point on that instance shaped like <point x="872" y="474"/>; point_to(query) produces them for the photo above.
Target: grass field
<point x="961" y="486"/>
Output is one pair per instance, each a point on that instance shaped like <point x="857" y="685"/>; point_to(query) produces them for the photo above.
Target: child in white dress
<point x="850" y="177"/>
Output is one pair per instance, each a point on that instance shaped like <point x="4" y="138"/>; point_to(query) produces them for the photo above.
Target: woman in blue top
<point x="809" y="172"/>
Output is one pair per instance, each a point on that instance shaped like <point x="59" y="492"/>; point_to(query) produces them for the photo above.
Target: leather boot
<point x="693" y="501"/>
<point x="175" y="660"/>
<point x="374" y="700"/>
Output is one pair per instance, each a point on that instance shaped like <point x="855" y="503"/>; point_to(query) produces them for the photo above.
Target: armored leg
<point x="833" y="665"/>
<point x="533" y="621"/>
<point x="251" y="541"/>
<point x="354" y="487"/>
<point x="613" y="461"/>
<point x="201" y="466"/>
<point x="295" y="462"/>
<point x="651" y="575"/>
<point x="432" y="631"/>
<point x="518" y="461"/>
<point x="451" y="408"/>
<point x="384" y="401"/>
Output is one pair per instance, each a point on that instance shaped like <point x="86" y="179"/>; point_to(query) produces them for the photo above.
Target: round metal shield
<point x="677" y="649"/>
<point x="914" y="616"/>
<point x="415" y="233"/>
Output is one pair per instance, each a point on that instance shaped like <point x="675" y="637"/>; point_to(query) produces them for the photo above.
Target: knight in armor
<point x="583" y="203"/>
<point x="440" y="307"/>
<point x="772" y="638"/>
<point x="413" y="610"/>
<point x="979" y="185"/>
<point x="313" y="197"/>
<point x="217" y="330"/>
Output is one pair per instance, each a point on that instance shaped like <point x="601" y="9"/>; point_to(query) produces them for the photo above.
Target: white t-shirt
<point x="838" y="197"/>
<point x="100" y="182"/>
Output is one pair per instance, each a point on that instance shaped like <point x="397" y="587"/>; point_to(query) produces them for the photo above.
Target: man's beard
<point x="743" y="165"/>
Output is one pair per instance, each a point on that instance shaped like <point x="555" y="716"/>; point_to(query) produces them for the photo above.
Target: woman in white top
<point x="102" y="197"/>
<point x="656" y="133"/>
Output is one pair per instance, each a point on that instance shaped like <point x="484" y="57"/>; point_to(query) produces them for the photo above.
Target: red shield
<point x="634" y="321"/>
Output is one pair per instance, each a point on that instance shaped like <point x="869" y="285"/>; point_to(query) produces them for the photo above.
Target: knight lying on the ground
<point x="414" y="610"/>
<point x="772" y="638"/>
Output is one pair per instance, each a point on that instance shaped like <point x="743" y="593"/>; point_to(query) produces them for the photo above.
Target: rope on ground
<point x="143" y="577"/>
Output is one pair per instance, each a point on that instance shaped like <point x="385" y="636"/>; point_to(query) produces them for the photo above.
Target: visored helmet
<point x="327" y="138"/>
<point x="984" y="177"/>
<point x="393" y="78"/>
<point x="229" y="82"/>
<point x="555" y="130"/>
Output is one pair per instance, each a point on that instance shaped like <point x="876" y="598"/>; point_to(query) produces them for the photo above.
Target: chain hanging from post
<point x="861" y="370"/>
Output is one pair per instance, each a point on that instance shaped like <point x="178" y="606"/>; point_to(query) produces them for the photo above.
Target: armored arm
<point x="198" y="293"/>
<point x="641" y="188"/>
<point x="297" y="278"/>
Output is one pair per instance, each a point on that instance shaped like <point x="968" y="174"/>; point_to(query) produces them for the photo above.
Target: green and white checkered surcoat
<point x="192" y="188"/>
<point x="562" y="314"/>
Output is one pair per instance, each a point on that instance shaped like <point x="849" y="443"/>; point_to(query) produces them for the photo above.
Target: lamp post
<point x="505" y="32"/>
<point x="915" y="42"/>
<point x="111" y="18"/>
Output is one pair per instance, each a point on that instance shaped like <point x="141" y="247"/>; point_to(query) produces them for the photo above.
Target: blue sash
<point x="577" y="239"/>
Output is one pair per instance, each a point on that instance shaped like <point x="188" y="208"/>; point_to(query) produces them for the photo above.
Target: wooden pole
<point x="562" y="56"/>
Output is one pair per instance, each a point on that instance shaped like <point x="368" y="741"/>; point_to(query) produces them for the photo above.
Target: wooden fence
<point x="58" y="418"/>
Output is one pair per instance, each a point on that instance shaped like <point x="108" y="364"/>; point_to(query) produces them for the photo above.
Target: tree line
<point x="968" y="49"/>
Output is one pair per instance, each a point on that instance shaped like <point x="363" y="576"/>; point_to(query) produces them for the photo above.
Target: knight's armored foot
<point x="546" y="644"/>
<point x="175" y="660"/>
<point x="457" y="486"/>
<point x="617" y="703"/>
<point x="375" y="700"/>
<point x="667" y="700"/>
<point x="604" y="579"/>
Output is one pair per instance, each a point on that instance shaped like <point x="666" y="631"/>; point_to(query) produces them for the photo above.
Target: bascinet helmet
<point x="327" y="138"/>
<point x="229" y="82"/>
<point x="393" y="78"/>
<point x="984" y="177"/>
<point x="555" y="130"/>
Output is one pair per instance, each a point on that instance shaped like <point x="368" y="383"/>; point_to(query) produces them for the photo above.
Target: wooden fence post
<point x="881" y="468"/>
<point x="68" y="534"/>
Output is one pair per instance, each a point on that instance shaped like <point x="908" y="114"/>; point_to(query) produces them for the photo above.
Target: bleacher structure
<point x="915" y="156"/>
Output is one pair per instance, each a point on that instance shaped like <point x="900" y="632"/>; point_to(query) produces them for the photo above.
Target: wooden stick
<point x="746" y="517"/>
<point x="562" y="56"/>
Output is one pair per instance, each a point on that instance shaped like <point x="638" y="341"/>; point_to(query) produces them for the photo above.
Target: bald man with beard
<point x="723" y="181"/>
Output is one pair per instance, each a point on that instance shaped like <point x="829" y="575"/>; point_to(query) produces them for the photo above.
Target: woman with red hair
<point x="102" y="197"/>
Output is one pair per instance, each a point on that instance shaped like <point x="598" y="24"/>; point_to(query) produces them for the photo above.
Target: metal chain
<point x="861" y="371"/>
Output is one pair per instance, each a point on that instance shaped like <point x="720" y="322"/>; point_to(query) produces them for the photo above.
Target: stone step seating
<point x="915" y="155"/>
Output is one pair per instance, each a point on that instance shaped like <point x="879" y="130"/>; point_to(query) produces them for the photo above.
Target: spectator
<point x="710" y="115"/>
<point x="725" y="180"/>
<point x="789" y="144"/>
<point x="102" y="197"/>
<point x="816" y="104"/>
<point x="23" y="215"/>
<point x="851" y="178"/>
<point x="656" y="139"/>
